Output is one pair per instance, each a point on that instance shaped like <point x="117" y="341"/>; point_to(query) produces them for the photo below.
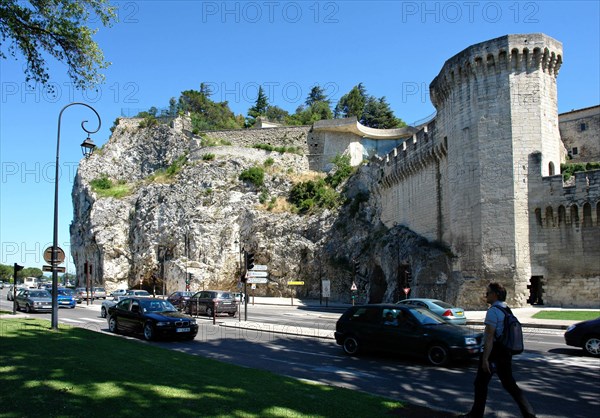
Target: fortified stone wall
<point x="565" y="237"/>
<point x="580" y="132"/>
<point x="288" y="136"/>
<point x="412" y="191"/>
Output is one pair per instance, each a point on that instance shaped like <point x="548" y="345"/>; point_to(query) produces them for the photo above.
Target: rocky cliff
<point x="184" y="212"/>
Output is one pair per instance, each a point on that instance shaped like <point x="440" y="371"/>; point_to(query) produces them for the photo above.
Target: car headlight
<point x="570" y="328"/>
<point x="192" y="321"/>
<point x="162" y="324"/>
<point x="470" y="341"/>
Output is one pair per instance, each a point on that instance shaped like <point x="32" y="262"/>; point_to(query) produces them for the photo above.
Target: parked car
<point x="141" y="293"/>
<point x="119" y="292"/>
<point x="82" y="293"/>
<point x="586" y="335"/>
<point x="405" y="329"/>
<point x="154" y="318"/>
<point x="108" y="303"/>
<point x="10" y="292"/>
<point x="449" y="313"/>
<point x="65" y="297"/>
<point x="180" y="299"/>
<point x="212" y="302"/>
<point x="99" y="293"/>
<point x="34" y="300"/>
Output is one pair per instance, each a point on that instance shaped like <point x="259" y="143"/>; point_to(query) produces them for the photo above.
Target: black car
<point x="154" y="318"/>
<point x="586" y="335"/>
<point x="406" y="330"/>
<point x="179" y="299"/>
<point x="212" y="302"/>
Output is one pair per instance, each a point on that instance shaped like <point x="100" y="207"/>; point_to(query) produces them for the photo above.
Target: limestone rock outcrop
<point x="188" y="215"/>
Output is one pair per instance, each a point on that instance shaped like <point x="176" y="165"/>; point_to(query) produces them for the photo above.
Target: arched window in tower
<point x="562" y="215"/>
<point x="538" y="216"/>
<point x="587" y="214"/>
<point x="575" y="215"/>
<point x="551" y="168"/>
<point x="549" y="217"/>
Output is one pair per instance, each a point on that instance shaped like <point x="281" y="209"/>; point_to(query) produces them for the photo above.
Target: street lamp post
<point x="87" y="148"/>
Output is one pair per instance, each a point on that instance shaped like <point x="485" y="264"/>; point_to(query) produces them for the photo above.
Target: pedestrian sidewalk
<point x="525" y="315"/>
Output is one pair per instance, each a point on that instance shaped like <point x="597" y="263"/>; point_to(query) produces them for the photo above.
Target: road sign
<point x="259" y="267"/>
<point x="406" y="290"/>
<point x="295" y="283"/>
<point x="353" y="287"/>
<point x="60" y="255"/>
<point x="259" y="280"/>
<point x="251" y="273"/>
<point x="49" y="268"/>
<point x="326" y="286"/>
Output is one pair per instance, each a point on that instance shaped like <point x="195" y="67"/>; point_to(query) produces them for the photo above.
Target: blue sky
<point x="160" y="48"/>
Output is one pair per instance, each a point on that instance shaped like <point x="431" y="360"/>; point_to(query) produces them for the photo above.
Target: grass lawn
<point x="570" y="315"/>
<point x="76" y="372"/>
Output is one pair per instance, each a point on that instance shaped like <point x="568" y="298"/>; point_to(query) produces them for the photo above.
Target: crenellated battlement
<point x="413" y="155"/>
<point x="504" y="55"/>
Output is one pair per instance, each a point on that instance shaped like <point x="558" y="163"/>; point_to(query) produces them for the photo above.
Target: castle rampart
<point x="565" y="237"/>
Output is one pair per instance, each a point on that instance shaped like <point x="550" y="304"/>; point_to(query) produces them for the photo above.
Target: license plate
<point x="183" y="330"/>
<point x="459" y="313"/>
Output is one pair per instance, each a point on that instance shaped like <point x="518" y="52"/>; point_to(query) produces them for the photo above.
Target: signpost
<point x="406" y="291"/>
<point x="251" y="273"/>
<point x="326" y="286"/>
<point x="259" y="267"/>
<point x="257" y="280"/>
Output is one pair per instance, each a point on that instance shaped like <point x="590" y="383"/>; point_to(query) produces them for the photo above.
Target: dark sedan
<point x="212" y="303"/>
<point x="179" y="299"/>
<point x="405" y="330"/>
<point x="34" y="300"/>
<point x="153" y="318"/>
<point x="586" y="335"/>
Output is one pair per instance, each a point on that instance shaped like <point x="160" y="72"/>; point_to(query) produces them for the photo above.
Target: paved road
<point x="560" y="381"/>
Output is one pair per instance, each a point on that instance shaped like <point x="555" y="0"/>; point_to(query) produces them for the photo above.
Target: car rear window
<point x="225" y="295"/>
<point x="442" y="304"/>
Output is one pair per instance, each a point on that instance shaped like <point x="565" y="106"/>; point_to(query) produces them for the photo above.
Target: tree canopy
<point x="369" y="110"/>
<point x="59" y="28"/>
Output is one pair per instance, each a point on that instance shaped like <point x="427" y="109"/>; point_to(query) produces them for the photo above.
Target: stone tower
<point x="496" y="104"/>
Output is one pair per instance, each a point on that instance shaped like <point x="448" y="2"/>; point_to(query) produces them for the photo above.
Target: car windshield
<point x="225" y="295"/>
<point x="39" y="294"/>
<point x="98" y="289"/>
<point x="157" y="305"/>
<point x="65" y="292"/>
<point x="425" y="317"/>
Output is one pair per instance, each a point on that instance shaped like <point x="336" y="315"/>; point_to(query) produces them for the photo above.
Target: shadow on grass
<point x="76" y="372"/>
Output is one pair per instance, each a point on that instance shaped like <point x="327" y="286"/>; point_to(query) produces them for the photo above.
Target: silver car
<point x="449" y="313"/>
<point x="110" y="302"/>
<point x="33" y="300"/>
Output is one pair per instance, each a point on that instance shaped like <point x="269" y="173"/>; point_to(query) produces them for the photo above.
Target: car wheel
<point x="592" y="345"/>
<point x="148" y="332"/>
<point x="231" y="313"/>
<point x="209" y="311"/>
<point x="113" y="325"/>
<point x="438" y="355"/>
<point x="102" y="312"/>
<point x="28" y="308"/>
<point x="351" y="345"/>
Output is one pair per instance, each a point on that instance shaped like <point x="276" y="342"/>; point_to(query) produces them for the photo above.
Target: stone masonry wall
<point x="565" y="237"/>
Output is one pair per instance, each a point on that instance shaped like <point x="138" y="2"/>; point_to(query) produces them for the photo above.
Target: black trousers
<point x="503" y="368"/>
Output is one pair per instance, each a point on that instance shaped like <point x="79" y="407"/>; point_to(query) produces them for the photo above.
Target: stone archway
<point x="378" y="286"/>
